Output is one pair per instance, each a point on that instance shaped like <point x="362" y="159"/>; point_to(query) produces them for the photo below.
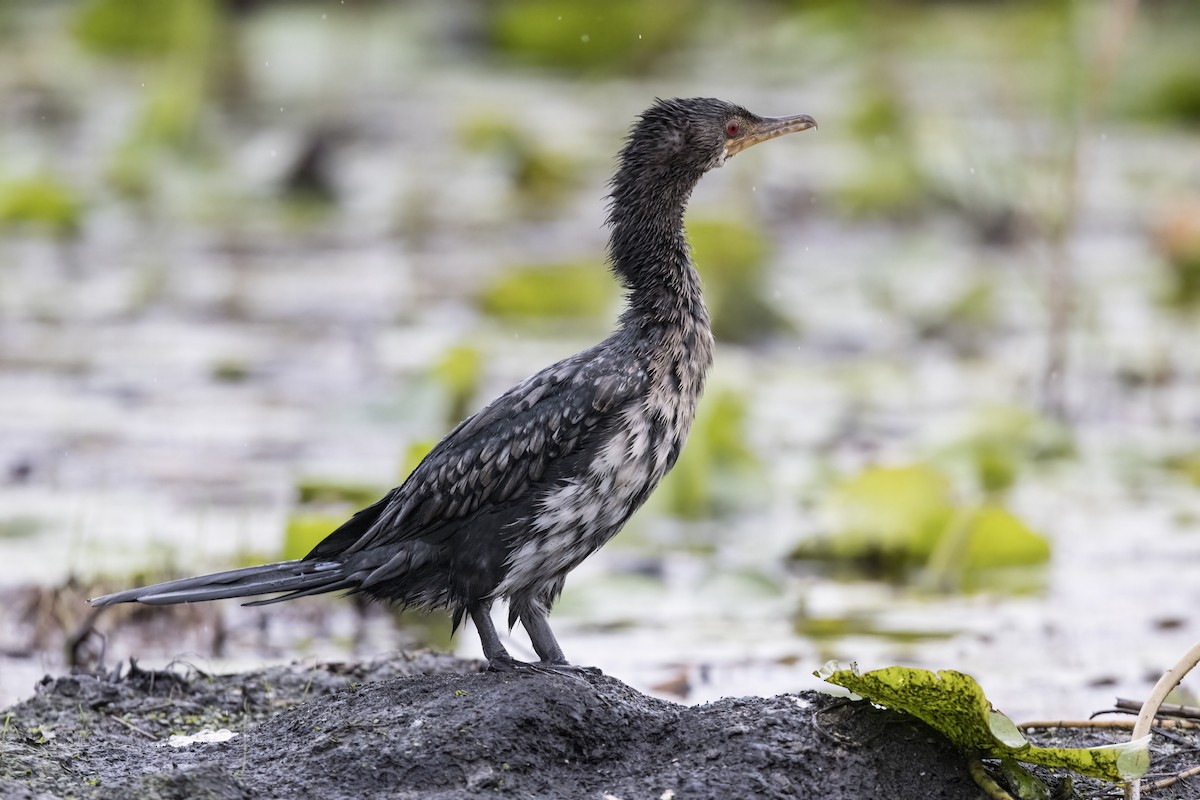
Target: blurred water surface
<point x="240" y="240"/>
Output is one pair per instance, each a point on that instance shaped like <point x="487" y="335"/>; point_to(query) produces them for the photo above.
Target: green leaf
<point x="716" y="471"/>
<point x="553" y="291"/>
<point x="305" y="531"/>
<point x="318" y="491"/>
<point x="733" y="256"/>
<point x="955" y="705"/>
<point x="999" y="539"/>
<point x="414" y="454"/>
<point x="42" y="201"/>
<point x="892" y="509"/>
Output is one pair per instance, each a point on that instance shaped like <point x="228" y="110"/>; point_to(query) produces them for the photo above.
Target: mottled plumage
<point x="519" y="494"/>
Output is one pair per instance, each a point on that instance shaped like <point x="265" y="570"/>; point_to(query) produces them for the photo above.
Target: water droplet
<point x="584" y="38"/>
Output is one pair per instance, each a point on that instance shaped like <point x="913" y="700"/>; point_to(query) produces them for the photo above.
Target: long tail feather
<point x="306" y="577"/>
<point x="351" y="582"/>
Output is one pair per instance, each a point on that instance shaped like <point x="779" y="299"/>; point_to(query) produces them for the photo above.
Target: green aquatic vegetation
<point x="20" y="527"/>
<point x="178" y="41"/>
<point x="426" y="628"/>
<point x="322" y="491"/>
<point x="890" y="181"/>
<point x="305" y="531"/>
<point x="572" y="291"/>
<point x="1185" y="464"/>
<point x="1166" y="87"/>
<point x="1003" y="440"/>
<point x="860" y="625"/>
<point x="886" y="186"/>
<point x="414" y="454"/>
<point x="966" y="321"/>
<point x="590" y="37"/>
<point x="1177" y="96"/>
<point x="954" y="704"/>
<point x="458" y="373"/>
<point x="230" y="370"/>
<point x="732" y="257"/>
<point x="126" y="28"/>
<point x="894" y="520"/>
<point x="41" y="202"/>
<point x="1177" y="238"/>
<point x="541" y="177"/>
<point x="900" y="510"/>
<point x="716" y="472"/>
<point x="878" y="114"/>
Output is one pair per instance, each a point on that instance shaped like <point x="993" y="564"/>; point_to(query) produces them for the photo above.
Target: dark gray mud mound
<point x="430" y="727"/>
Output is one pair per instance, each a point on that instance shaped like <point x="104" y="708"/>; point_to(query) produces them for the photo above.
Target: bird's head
<point x="687" y="137"/>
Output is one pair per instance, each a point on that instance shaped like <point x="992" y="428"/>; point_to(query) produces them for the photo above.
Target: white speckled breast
<point x="580" y="515"/>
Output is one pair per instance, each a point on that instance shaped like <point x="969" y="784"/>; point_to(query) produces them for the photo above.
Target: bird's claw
<point x="542" y="667"/>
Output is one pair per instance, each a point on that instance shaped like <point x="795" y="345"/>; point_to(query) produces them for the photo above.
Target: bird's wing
<point x="495" y="456"/>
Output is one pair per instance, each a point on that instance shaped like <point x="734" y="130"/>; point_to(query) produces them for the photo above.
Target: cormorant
<point x="519" y="494"/>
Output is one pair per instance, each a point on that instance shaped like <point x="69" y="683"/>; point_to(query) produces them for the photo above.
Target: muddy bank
<point x="431" y="726"/>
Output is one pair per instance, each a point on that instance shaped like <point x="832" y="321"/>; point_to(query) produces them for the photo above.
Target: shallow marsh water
<point x="167" y="377"/>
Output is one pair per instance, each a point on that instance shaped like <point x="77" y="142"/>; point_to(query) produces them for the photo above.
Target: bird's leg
<point x="538" y="628"/>
<point x="547" y="647"/>
<point x="497" y="657"/>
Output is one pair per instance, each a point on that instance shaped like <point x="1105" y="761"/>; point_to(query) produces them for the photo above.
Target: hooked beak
<point x="766" y="128"/>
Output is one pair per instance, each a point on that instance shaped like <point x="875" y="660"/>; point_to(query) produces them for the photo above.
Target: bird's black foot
<point x="563" y="668"/>
<point x="543" y="667"/>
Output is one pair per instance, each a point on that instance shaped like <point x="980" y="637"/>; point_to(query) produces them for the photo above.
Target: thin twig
<point x="136" y="729"/>
<point x="1165" y="710"/>
<point x="1108" y="724"/>
<point x="1174" y="779"/>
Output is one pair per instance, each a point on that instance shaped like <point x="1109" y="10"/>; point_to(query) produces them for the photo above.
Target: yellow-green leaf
<point x="955" y="704"/>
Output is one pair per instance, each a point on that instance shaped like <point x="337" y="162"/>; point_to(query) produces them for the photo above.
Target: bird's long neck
<point x="649" y="250"/>
<point x="666" y="325"/>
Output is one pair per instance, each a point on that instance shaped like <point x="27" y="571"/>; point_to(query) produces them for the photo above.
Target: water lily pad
<point x="955" y="704"/>
<point x="732" y="257"/>
<point x="326" y="491"/>
<point x="42" y="202"/>
<point x="716" y="472"/>
<point x="458" y="372"/>
<point x="550" y="291"/>
<point x="625" y="35"/>
<point x="305" y="531"/>
<point x="893" y="510"/>
<point x="894" y="519"/>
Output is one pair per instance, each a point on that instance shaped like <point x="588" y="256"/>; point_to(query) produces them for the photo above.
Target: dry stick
<point x="1174" y="779"/>
<point x="1107" y="724"/>
<point x="1169" y="709"/>
<point x="135" y="728"/>
<point x="1169" y="680"/>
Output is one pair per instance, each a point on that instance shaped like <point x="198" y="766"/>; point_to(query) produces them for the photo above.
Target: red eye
<point x="732" y="128"/>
